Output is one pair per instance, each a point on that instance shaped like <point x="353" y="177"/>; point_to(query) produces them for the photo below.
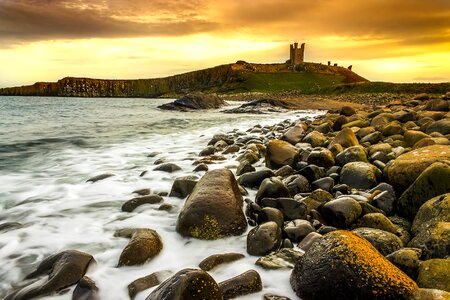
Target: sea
<point x="50" y="147"/>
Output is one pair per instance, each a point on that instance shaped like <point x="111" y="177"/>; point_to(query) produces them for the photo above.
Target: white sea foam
<point x="60" y="210"/>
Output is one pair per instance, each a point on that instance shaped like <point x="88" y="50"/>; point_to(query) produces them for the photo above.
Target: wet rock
<point x="166" y="207"/>
<point x="244" y="167"/>
<point x="309" y="240"/>
<point x="422" y="96"/>
<point x="201" y="167"/>
<point x="284" y="171"/>
<point x="405" y="169"/>
<point x="297" y="184"/>
<point x="194" y="101"/>
<point x="326" y="184"/>
<point x="264" y="239"/>
<point x="294" y="134"/>
<point x="167" y="167"/>
<point x="144" y="245"/>
<point x="291" y="208"/>
<point x="146" y="282"/>
<point x="433" y="241"/>
<point x="282" y="259"/>
<point x="243" y="284"/>
<point x="214" y="260"/>
<point x="347" y="111"/>
<point x="381" y="120"/>
<point x="342" y="265"/>
<point x="437" y="105"/>
<point x="254" y="179"/>
<point x="432" y="182"/>
<point x="8" y="226"/>
<point x="85" y="290"/>
<point x="271" y="214"/>
<point x="312" y="172"/>
<point x="385" y="242"/>
<point x="248" y="156"/>
<point x="342" y="212"/>
<point x="274" y="297"/>
<point x="271" y="188"/>
<point x="321" y="157"/>
<point x="346" y="138"/>
<point x="441" y="126"/>
<point x="63" y="269"/>
<point x="372" y="138"/>
<point x="231" y="149"/>
<point x="413" y="136"/>
<point x="188" y="284"/>
<point x="132" y="204"/>
<point x="392" y="128"/>
<point x="296" y="230"/>
<point x="377" y="221"/>
<point x="360" y="175"/>
<point x="214" y="208"/>
<point x="280" y="153"/>
<point x="351" y="154"/>
<point x="100" y="177"/>
<point x="430" y="294"/>
<point x="431" y="212"/>
<point x="210" y="150"/>
<point x="315" y="138"/>
<point x="434" y="274"/>
<point x="407" y="260"/>
<point x="142" y="192"/>
<point x="183" y="186"/>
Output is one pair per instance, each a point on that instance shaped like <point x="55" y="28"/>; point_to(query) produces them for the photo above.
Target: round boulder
<point x="360" y="175"/>
<point x="383" y="241"/>
<point x="341" y="265"/>
<point x="346" y="138"/>
<point x="143" y="246"/>
<point x="342" y="212"/>
<point x="264" y="239"/>
<point x="280" y="153"/>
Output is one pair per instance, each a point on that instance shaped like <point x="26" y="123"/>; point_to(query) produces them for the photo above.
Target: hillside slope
<point x="231" y="78"/>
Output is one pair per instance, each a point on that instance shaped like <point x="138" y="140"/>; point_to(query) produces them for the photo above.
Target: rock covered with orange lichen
<point x="344" y="266"/>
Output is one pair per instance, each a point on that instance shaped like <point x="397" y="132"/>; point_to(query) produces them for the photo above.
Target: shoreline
<point x="339" y="171"/>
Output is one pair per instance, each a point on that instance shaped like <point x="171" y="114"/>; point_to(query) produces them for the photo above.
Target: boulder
<point x="347" y="111"/>
<point x="377" y="221"/>
<point x="360" y="175"/>
<point x="144" y="245"/>
<point x="315" y="138"/>
<point x="430" y="294"/>
<point x="434" y="274"/>
<point x="385" y="242"/>
<point x="405" y="169"/>
<point x="346" y="138"/>
<point x="254" y="179"/>
<point x="433" y="241"/>
<point x="183" y="186"/>
<point x="296" y="230"/>
<point x="341" y="265"/>
<point x="431" y="212"/>
<point x="321" y="157"/>
<point x="214" y="260"/>
<point x="284" y="258"/>
<point x="271" y="188"/>
<point x="167" y="167"/>
<point x="271" y="214"/>
<point x="294" y="134"/>
<point x="188" y="284"/>
<point x="441" y="126"/>
<point x="413" y="136"/>
<point x="309" y="240"/>
<point x="341" y="212"/>
<point x="146" y="282"/>
<point x="351" y="154"/>
<point x="60" y="271"/>
<point x="372" y="138"/>
<point x="214" y="208"/>
<point x="280" y="153"/>
<point x="134" y="203"/>
<point x="244" y="167"/>
<point x="85" y="290"/>
<point x="99" y="177"/>
<point x="292" y="209"/>
<point x="264" y="239"/>
<point x="407" y="260"/>
<point x="243" y="284"/>
<point x="437" y="105"/>
<point x="297" y="184"/>
<point x="381" y="120"/>
<point x="432" y="182"/>
<point x="194" y="101"/>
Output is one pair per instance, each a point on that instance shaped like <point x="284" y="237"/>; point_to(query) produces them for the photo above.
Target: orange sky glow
<point x="384" y="40"/>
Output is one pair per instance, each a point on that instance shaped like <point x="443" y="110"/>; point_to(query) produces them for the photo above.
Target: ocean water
<point x="49" y="147"/>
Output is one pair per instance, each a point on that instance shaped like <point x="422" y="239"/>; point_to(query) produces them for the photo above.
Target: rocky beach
<point x="349" y="204"/>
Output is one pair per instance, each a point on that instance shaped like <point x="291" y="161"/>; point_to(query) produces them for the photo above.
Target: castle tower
<point x="297" y="55"/>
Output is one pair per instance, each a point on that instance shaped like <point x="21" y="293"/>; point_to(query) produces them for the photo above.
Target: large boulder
<point x="194" y="101"/>
<point x="214" y="208"/>
<point x="360" y="175"/>
<point x="59" y="271"/>
<point x="405" y="169"/>
<point x="433" y="241"/>
<point x="144" y="245"/>
<point x="280" y="153"/>
<point x="430" y="294"/>
<point x="407" y="260"/>
<point x="434" y="181"/>
<point x="341" y="265"/>
<point x="188" y="284"/>
<point x="431" y="212"/>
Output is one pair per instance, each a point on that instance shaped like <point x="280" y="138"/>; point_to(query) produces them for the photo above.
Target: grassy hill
<point x="232" y="78"/>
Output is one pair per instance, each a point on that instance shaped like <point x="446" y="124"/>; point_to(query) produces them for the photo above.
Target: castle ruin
<point x="297" y="54"/>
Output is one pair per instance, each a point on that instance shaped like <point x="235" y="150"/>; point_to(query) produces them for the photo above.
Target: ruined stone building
<point x="297" y="54"/>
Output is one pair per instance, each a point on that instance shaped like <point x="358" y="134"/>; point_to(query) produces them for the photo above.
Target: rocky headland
<point x="355" y="204"/>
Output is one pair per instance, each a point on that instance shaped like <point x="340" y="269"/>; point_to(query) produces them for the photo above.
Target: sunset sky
<point x="384" y="40"/>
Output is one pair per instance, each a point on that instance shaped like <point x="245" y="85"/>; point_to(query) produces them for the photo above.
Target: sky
<point x="384" y="40"/>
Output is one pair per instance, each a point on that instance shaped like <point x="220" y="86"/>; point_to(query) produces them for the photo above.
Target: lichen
<point x="209" y="230"/>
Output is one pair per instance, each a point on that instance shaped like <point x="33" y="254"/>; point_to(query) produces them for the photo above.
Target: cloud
<point x="31" y="20"/>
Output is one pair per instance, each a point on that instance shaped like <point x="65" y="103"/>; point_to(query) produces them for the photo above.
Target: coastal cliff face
<point x="224" y="78"/>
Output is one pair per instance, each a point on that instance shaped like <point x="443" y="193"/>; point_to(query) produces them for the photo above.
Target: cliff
<point x="237" y="77"/>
